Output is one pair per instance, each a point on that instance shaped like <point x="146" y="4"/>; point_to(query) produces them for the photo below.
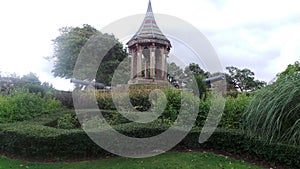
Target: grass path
<point x="168" y="160"/>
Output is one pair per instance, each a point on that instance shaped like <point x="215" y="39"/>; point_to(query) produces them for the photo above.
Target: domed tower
<point x="149" y="49"/>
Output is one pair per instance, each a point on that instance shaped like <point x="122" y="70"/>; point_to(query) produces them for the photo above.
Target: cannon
<point x="170" y="78"/>
<point x="208" y="81"/>
<point x="214" y="79"/>
<point x="87" y="83"/>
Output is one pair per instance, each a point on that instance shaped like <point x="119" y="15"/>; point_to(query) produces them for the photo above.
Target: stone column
<point x="163" y="64"/>
<point x="133" y="64"/>
<point x="146" y="68"/>
<point x="166" y="64"/>
<point x="152" y="62"/>
<point x="139" y="62"/>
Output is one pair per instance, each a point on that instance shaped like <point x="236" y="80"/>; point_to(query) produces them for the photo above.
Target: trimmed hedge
<point x="40" y="142"/>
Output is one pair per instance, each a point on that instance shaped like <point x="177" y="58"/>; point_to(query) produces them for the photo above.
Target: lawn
<point x="168" y="160"/>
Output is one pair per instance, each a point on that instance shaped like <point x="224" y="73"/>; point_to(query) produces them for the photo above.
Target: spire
<point x="149" y="32"/>
<point x="149" y="10"/>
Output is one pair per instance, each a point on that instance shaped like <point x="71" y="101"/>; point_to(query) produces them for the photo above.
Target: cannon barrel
<point x="210" y="80"/>
<point x="214" y="79"/>
<point x="86" y="83"/>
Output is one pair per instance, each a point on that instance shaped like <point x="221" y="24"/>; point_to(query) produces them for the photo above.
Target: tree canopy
<point x="243" y="79"/>
<point x="69" y="45"/>
<point x="291" y="70"/>
<point x="185" y="76"/>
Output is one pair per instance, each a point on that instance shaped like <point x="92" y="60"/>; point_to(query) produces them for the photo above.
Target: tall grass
<point x="274" y="112"/>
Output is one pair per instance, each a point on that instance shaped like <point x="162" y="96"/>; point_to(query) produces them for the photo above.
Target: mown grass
<point x="172" y="160"/>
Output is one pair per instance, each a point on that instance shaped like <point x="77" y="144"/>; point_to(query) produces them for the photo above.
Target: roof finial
<point x="149" y="7"/>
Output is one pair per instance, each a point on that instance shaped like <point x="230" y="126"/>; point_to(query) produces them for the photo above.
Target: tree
<point x="199" y="74"/>
<point x="31" y="78"/>
<point x="192" y="71"/>
<point x="176" y="72"/>
<point x="196" y="70"/>
<point x="291" y="70"/>
<point x="243" y="79"/>
<point x="69" y="45"/>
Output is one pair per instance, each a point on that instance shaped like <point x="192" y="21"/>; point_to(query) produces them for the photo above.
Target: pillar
<point x="139" y="62"/>
<point x="152" y="62"/>
<point x="133" y="64"/>
<point x="163" y="64"/>
<point x="166" y="65"/>
<point x="146" y="69"/>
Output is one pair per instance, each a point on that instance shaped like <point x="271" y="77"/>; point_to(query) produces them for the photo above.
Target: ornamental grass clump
<point x="274" y="112"/>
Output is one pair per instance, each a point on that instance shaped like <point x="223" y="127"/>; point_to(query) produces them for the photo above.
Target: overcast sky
<point x="262" y="35"/>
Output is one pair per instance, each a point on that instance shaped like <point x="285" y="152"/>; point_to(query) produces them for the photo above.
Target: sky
<point x="261" y="35"/>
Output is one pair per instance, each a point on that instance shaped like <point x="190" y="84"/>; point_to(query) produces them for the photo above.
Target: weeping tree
<point x="273" y="113"/>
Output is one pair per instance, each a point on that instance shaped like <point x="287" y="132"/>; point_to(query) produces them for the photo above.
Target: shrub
<point x="105" y="101"/>
<point x="273" y="113"/>
<point x="65" y="98"/>
<point x="68" y="121"/>
<point x="36" y="88"/>
<point x="233" y="111"/>
<point x="139" y="99"/>
<point x="172" y="103"/>
<point x="41" y="142"/>
<point x="23" y="106"/>
<point x="232" y="114"/>
<point x="138" y="95"/>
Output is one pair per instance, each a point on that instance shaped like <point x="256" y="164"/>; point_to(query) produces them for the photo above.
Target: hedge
<point x="22" y="105"/>
<point x="42" y="142"/>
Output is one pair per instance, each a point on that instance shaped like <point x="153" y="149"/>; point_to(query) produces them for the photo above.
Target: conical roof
<point x="149" y="32"/>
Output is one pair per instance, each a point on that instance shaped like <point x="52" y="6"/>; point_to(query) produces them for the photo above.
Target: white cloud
<point x="260" y="35"/>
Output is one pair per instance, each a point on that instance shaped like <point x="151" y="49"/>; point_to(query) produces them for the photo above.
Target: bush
<point x="139" y="99"/>
<point x="172" y="103"/>
<point x="41" y="142"/>
<point x="68" y="121"/>
<point x="233" y="111"/>
<point x="138" y="95"/>
<point x="23" y="106"/>
<point x="273" y="113"/>
<point x="65" y="98"/>
<point x="35" y="88"/>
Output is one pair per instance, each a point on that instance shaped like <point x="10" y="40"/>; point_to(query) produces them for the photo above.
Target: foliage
<point x="139" y="97"/>
<point x="273" y="113"/>
<point x="69" y="44"/>
<point x="68" y="121"/>
<point x="175" y="71"/>
<point x="31" y="78"/>
<point x="172" y="107"/>
<point x="243" y="79"/>
<point x="177" y="103"/>
<point x="290" y="71"/>
<point x="190" y="73"/>
<point x="67" y="47"/>
<point x="29" y="82"/>
<point x="196" y="70"/>
<point x="233" y="111"/>
<point x="21" y="106"/>
<point x="40" y="142"/>
<point x="238" y="143"/>
<point x="65" y="98"/>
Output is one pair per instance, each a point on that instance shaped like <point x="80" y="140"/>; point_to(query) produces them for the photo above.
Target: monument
<point x="149" y="49"/>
